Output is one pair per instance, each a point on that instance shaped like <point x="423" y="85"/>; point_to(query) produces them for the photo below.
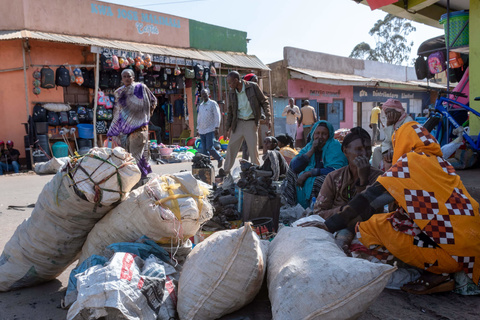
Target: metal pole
<point x="271" y="103"/>
<point x="95" y="98"/>
<point x="447" y="44"/>
<point x="25" y="78"/>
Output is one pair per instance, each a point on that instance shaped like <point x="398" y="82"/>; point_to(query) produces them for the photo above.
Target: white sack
<point x="309" y="277"/>
<point x="45" y="244"/>
<point x="101" y="166"/>
<point x="51" y="166"/>
<point x="140" y="214"/>
<point x="126" y="288"/>
<point x="222" y="274"/>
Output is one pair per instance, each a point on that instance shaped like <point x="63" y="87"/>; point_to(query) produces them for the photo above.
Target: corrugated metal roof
<point x="352" y="79"/>
<point x="235" y="59"/>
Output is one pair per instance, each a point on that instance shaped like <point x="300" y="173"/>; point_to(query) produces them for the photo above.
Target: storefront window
<point x="340" y="106"/>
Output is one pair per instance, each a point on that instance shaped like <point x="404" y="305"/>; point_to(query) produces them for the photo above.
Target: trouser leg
<point x="210" y="146"/>
<point x="251" y="137"/>
<point x="204" y="149"/>
<point x="234" y="145"/>
<point x="16" y="166"/>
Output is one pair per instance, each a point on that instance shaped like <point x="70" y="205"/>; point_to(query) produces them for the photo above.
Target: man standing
<point x="9" y="158"/>
<point x="374" y="120"/>
<point x="308" y="118"/>
<point x="245" y="101"/>
<point x="292" y="112"/>
<point x="208" y="121"/>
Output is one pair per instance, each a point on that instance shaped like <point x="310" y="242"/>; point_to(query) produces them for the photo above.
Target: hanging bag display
<point x="39" y="113"/>
<point x="62" y="77"/>
<point x="78" y="76"/>
<point x="115" y="79"/>
<point x="82" y="114"/>
<point x="63" y="118"/>
<point x="53" y="119"/>
<point x="72" y="118"/>
<point x="199" y="70"/>
<point x="421" y="68"/>
<point x="106" y="63"/>
<point x="455" y="60"/>
<point x="104" y="79"/>
<point x="436" y="62"/>
<point x="47" y="78"/>
<point x="101" y="127"/>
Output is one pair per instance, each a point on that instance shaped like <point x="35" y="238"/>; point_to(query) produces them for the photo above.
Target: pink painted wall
<point x="13" y="108"/>
<point x="95" y="19"/>
<point x="324" y="93"/>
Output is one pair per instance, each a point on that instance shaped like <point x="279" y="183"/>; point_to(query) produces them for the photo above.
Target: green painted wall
<point x="209" y="37"/>
<point x="474" y="63"/>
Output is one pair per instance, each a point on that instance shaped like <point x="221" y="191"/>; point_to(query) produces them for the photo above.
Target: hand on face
<point x="392" y="116"/>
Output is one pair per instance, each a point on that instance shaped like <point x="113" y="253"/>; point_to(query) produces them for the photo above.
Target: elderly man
<point x="245" y="102"/>
<point x="208" y="121"/>
<point x="292" y="112"/>
<point x="396" y="116"/>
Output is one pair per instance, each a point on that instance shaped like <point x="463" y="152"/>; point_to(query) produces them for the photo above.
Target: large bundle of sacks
<point x="66" y="210"/>
<point x="168" y="209"/>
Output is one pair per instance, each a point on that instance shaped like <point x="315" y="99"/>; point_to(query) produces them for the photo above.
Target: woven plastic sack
<point x="44" y="245"/>
<point x="168" y="209"/>
<point x="309" y="277"/>
<point x="127" y="287"/>
<point x="106" y="175"/>
<point x="51" y="166"/>
<point x="222" y="274"/>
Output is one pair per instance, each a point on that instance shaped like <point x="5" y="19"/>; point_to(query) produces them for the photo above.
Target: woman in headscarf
<point x="308" y="169"/>
<point x="134" y="104"/>
<point x="396" y="117"/>
<point x="437" y="225"/>
<point x="285" y="143"/>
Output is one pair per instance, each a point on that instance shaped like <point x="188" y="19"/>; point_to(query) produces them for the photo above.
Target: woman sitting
<point x="308" y="169"/>
<point x="437" y="225"/>
<point x="285" y="143"/>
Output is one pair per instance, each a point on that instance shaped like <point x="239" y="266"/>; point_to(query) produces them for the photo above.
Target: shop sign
<point x="364" y="94"/>
<point x="146" y="23"/>
<point x="325" y="93"/>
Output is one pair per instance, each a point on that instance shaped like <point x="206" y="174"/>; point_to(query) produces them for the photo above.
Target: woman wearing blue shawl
<point x="308" y="169"/>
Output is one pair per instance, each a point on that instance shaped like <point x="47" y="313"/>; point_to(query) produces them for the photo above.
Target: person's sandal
<point x="428" y="284"/>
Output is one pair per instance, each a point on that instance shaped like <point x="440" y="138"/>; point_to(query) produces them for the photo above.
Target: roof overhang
<point x="235" y="59"/>
<point x="355" y="80"/>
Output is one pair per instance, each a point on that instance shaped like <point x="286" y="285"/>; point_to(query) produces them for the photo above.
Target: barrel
<point x="85" y="130"/>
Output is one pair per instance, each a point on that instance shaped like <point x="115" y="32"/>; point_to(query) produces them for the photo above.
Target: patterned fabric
<point x="289" y="187"/>
<point x="439" y="220"/>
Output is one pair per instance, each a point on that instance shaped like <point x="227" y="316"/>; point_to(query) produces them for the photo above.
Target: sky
<point x="328" y="26"/>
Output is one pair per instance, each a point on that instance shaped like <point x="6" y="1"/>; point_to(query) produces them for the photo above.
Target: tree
<point x="391" y="44"/>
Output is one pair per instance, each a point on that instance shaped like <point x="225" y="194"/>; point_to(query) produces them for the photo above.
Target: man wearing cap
<point x="9" y="158"/>
<point x="291" y="112"/>
<point x="307" y="119"/>
<point x="396" y="116"/>
<point x="245" y="102"/>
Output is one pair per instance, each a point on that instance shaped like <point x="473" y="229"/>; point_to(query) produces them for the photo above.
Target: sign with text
<point x="364" y="94"/>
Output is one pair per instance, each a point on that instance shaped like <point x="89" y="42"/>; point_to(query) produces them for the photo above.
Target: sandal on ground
<point x="430" y="283"/>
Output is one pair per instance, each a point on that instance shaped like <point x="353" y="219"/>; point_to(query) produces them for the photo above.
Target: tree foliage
<point x="391" y="44"/>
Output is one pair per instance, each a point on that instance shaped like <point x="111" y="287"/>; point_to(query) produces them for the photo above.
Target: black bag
<point x="89" y="115"/>
<point x="206" y="73"/>
<point x="88" y="78"/>
<point x="104" y="79"/>
<point x="48" y="78"/>
<point x="149" y="80"/>
<point x="73" y="118"/>
<point x="199" y="70"/>
<point x="85" y="76"/>
<point x="82" y="114"/>
<point x="53" y="119"/>
<point x="105" y="62"/>
<point x="101" y="127"/>
<point x="180" y="80"/>
<point x="39" y="113"/>
<point x="115" y="79"/>
<point x="421" y="68"/>
<point x="101" y="113"/>
<point x="63" y="118"/>
<point x="62" y="77"/>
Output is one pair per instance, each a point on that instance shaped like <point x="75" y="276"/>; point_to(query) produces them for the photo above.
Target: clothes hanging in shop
<point x="179" y="108"/>
<point x="168" y="109"/>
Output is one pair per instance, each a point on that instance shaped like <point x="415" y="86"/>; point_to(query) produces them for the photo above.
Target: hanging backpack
<point x="180" y="80"/>
<point x="89" y="115"/>
<point x="48" y="78"/>
<point x="436" y="62"/>
<point x="39" y="113"/>
<point x="206" y="73"/>
<point x="101" y="113"/>
<point x="53" y="119"/>
<point x="85" y="76"/>
<point x="104" y="79"/>
<point x="199" y="70"/>
<point x="421" y="68"/>
<point x="101" y="127"/>
<point x="106" y="63"/>
<point x="455" y="60"/>
<point x="82" y="114"/>
<point x="91" y="79"/>
<point x="115" y="79"/>
<point x="72" y="118"/>
<point x="63" y="118"/>
<point x="62" y="77"/>
<point x="189" y="73"/>
<point x="149" y="80"/>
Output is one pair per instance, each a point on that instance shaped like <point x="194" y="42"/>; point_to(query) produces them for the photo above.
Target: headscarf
<point x="430" y="192"/>
<point x="332" y="156"/>
<point x="397" y="106"/>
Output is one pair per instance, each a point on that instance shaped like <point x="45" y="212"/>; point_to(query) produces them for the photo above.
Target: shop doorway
<point x="333" y="114"/>
<point x="322" y="111"/>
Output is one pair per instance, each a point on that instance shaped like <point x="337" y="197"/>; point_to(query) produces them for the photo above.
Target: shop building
<point x="83" y="34"/>
<point x="343" y="90"/>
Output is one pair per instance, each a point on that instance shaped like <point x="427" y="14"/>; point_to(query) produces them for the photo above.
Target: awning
<point x="234" y="59"/>
<point x="356" y="80"/>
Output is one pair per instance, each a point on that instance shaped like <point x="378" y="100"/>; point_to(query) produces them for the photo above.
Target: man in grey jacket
<point x="245" y="101"/>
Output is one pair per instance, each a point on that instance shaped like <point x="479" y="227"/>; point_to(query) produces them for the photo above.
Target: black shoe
<point x="221" y="173"/>
<point x="220" y="163"/>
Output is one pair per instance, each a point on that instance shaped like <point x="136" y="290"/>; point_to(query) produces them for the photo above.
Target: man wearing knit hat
<point x="396" y="116"/>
